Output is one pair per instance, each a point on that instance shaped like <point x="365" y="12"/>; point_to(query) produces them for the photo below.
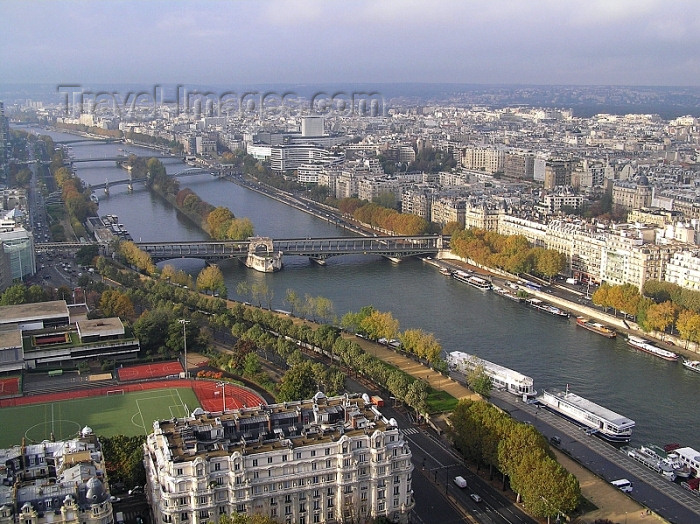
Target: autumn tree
<point x="380" y="325"/>
<point x="661" y="316"/>
<point x="688" y="325"/>
<point x="211" y="279"/>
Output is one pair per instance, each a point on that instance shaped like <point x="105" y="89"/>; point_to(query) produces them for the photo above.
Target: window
<point x="317" y="504"/>
<point x="184" y="516"/>
<point x="302" y="507"/>
<point x="381" y="506"/>
<point x="313" y="452"/>
<point x="347" y="489"/>
<point x="363" y="495"/>
<point x="217" y="466"/>
<point x="299" y="456"/>
<point x="328" y="451"/>
<point x="255" y="474"/>
<point x="284" y="458"/>
<point x="204" y="514"/>
<point x="362" y="457"/>
<point x="287" y="499"/>
<point x="381" y="494"/>
<point x="316" y="494"/>
<point x="397" y="489"/>
<point x="396" y="502"/>
<point x="317" y="518"/>
<point x="288" y="510"/>
<point x="329" y="503"/>
<point x="255" y="463"/>
<point x="330" y="515"/>
<point x="178" y="471"/>
<point x="313" y="466"/>
<point x="269" y="460"/>
<point x="203" y="499"/>
<point x="397" y="479"/>
<point x="314" y="480"/>
<point x="330" y="492"/>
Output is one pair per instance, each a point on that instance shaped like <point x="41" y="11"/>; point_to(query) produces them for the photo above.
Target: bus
<point x="56" y="373"/>
<point x="532" y="285"/>
<point x="623" y="485"/>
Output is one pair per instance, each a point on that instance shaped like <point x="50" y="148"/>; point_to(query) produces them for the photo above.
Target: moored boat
<point x="596" y="327"/>
<point x="600" y="421"/>
<point x="507" y="293"/>
<point x="502" y="377"/>
<point x="546" y="307"/>
<point x="692" y="365"/>
<point x="646" y="346"/>
<point x="445" y="271"/>
<point x="472" y="280"/>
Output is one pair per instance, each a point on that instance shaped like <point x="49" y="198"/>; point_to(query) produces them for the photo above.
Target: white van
<point x="623" y="485"/>
<point x="461" y="482"/>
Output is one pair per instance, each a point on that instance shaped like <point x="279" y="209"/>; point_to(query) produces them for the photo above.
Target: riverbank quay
<point x="610" y="503"/>
<point x="570" y="303"/>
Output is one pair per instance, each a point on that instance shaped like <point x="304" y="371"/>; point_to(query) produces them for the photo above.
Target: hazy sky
<point x="624" y="42"/>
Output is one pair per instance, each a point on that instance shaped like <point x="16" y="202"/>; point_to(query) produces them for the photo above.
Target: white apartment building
<point x="486" y="159"/>
<point x="554" y="202"/>
<point x="55" y="483"/>
<point x="371" y="187"/>
<point x="324" y="460"/>
<point x="416" y="201"/>
<point x="534" y="231"/>
<point x="445" y="210"/>
<point x="482" y="215"/>
<point x="683" y="269"/>
<point x="286" y="157"/>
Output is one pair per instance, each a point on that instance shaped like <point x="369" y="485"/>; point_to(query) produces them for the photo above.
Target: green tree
<point x="478" y="380"/>
<point x="550" y="263"/>
<point x="300" y="382"/>
<point x="417" y="396"/>
<point x="661" y="316"/>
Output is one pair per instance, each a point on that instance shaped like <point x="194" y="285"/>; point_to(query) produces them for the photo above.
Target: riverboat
<point x="501" y="377"/>
<point x="541" y="305"/>
<point x="473" y="281"/>
<point x="661" y="461"/>
<point x="690" y="458"/>
<point x="507" y="293"/>
<point x="646" y="346"/>
<point x="445" y="271"/>
<point x="596" y="327"/>
<point x="692" y="365"/>
<point x="600" y="421"/>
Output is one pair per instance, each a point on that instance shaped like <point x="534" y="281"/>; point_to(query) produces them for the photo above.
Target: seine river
<point x="657" y="394"/>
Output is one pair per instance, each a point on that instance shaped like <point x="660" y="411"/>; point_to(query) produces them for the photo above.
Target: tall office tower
<point x="4" y="143"/>
<point x="312" y="126"/>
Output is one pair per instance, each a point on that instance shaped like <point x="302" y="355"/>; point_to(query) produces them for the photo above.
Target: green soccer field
<point x="118" y="414"/>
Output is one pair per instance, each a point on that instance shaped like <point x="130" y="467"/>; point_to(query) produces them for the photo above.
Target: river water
<point x="657" y="394"/>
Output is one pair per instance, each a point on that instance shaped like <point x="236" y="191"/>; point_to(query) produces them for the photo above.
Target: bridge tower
<point x="262" y="256"/>
<point x="106" y="187"/>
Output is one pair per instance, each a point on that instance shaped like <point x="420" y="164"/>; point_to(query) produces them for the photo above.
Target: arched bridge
<point x="315" y="248"/>
<point x="187" y="172"/>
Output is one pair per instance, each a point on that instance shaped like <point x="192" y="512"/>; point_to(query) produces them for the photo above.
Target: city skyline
<point x="502" y="42"/>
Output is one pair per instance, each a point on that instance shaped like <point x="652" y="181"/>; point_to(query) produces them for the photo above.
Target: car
<point x="475" y="497"/>
<point x="555" y="440"/>
<point x="114" y="499"/>
<point x="136" y="490"/>
<point x="460" y="482"/>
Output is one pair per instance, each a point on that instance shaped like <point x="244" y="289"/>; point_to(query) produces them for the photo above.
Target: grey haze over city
<point x="599" y="42"/>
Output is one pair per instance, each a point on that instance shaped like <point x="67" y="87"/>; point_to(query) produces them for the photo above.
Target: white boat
<point x="646" y="346"/>
<point x="507" y="293"/>
<point x="690" y="458"/>
<point x="599" y="420"/>
<point x="472" y="280"/>
<point x="693" y="365"/>
<point x="502" y="377"/>
<point x="547" y="308"/>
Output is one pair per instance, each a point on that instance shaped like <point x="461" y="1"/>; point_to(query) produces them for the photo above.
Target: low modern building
<point x="54" y="335"/>
<point x="323" y="460"/>
<point x="55" y="482"/>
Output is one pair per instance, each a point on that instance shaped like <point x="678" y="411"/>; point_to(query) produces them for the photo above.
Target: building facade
<point x="324" y="460"/>
<point x="55" y="483"/>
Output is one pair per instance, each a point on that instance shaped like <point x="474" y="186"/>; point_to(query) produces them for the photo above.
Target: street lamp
<point x="222" y="385"/>
<point x="184" y="342"/>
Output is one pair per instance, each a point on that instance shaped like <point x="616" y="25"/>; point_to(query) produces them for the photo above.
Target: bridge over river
<point x="317" y="249"/>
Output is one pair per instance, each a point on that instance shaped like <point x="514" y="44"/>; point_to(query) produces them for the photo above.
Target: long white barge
<point x="599" y="420"/>
<point x="502" y="377"/>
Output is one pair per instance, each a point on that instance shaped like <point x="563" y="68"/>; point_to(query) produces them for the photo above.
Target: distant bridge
<point x="87" y="139"/>
<point x="126" y="181"/>
<point x="315" y="248"/>
<point x="118" y="158"/>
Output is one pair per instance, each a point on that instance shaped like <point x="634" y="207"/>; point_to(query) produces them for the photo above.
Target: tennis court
<point x="9" y="386"/>
<point x="116" y="413"/>
<point x="148" y="371"/>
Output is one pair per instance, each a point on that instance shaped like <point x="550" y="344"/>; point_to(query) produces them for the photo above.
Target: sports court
<point x="9" y="386"/>
<point x="148" y="371"/>
<point x="115" y="413"/>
